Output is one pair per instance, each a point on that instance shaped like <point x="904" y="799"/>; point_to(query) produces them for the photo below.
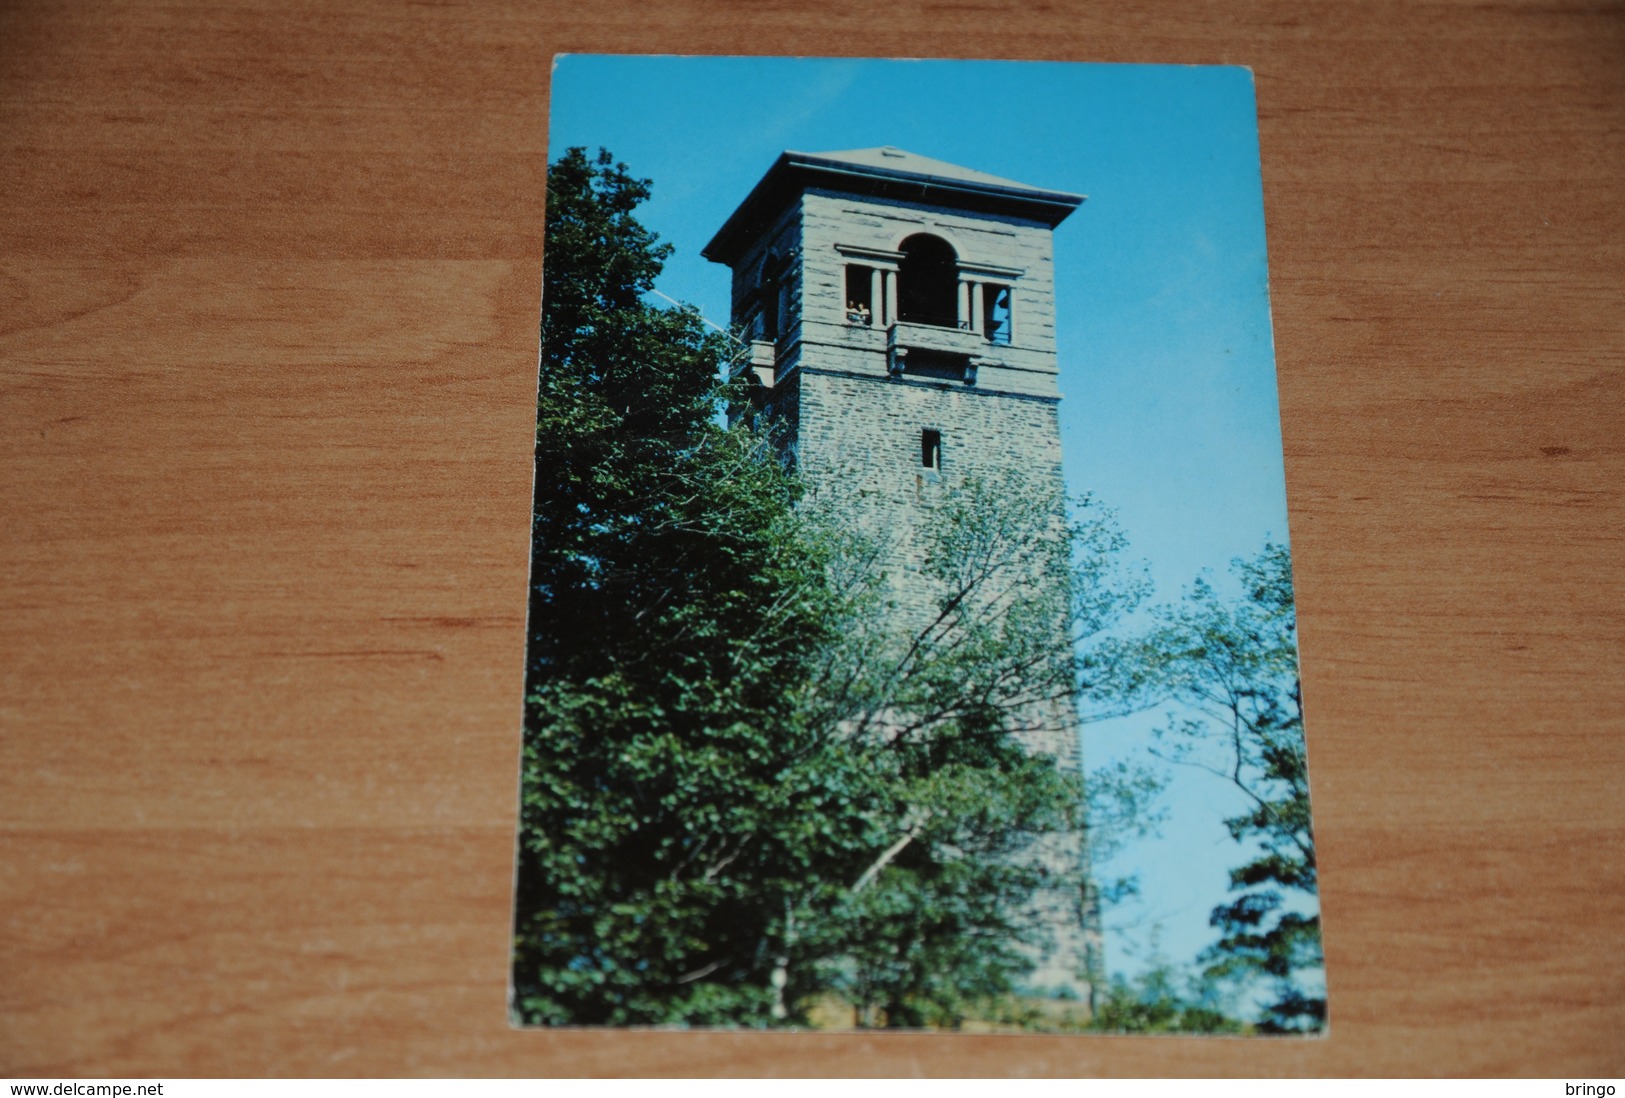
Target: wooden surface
<point x="268" y="338"/>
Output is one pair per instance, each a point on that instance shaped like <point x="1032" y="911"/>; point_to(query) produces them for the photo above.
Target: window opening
<point x="860" y="309"/>
<point x="767" y="290"/>
<point x="930" y="449"/>
<point x="770" y="312"/>
<point x="996" y="313"/>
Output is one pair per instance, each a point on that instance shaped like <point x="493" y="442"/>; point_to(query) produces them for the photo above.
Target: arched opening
<point x="928" y="282"/>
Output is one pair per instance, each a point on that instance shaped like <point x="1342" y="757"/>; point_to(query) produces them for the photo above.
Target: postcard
<point x="911" y="636"/>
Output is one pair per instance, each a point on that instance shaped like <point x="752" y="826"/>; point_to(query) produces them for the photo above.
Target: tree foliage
<point x="946" y="709"/>
<point x="749" y="787"/>
<point x="668" y="608"/>
<point x="1163" y="1000"/>
<point x="1234" y="665"/>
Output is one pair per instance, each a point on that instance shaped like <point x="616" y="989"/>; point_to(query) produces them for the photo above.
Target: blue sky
<point x="1166" y="355"/>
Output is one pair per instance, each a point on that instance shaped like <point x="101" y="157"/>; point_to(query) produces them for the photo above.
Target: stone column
<point x="877" y="298"/>
<point x="964" y="303"/>
<point x="976" y="307"/>
<point x="891" y="297"/>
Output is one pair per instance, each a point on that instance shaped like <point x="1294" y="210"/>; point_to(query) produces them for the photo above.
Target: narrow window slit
<point x="930" y="449"/>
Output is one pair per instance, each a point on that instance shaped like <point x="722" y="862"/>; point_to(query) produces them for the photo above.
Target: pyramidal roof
<point x="891" y="158"/>
<point x="884" y="172"/>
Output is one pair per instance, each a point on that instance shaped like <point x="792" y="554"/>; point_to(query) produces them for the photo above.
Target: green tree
<point x="669" y="606"/>
<point x="1162" y="999"/>
<point x="748" y="788"/>
<point x="968" y="820"/>
<point x="1234" y="666"/>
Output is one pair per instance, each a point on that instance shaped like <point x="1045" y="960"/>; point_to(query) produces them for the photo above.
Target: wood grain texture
<point x="270" y="281"/>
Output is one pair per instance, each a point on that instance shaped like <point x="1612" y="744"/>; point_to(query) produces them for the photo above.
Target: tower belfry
<point x="900" y="314"/>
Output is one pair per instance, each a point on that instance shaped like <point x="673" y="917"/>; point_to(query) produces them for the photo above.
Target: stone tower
<point x="900" y="313"/>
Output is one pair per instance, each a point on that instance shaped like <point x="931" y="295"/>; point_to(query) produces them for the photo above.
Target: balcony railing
<point x="932" y="337"/>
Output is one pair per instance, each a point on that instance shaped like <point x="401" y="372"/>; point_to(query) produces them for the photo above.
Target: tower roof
<point x="884" y="172"/>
